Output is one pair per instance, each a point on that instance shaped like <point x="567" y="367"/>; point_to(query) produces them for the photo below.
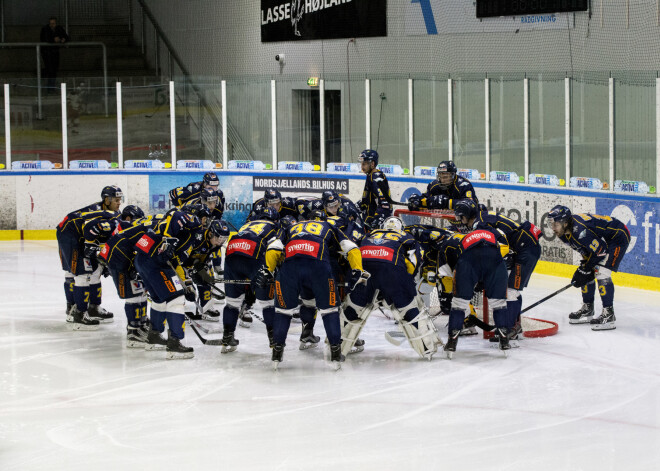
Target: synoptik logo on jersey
<point x="302" y="248"/>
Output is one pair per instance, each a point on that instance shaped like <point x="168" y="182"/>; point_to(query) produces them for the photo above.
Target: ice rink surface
<point x="580" y="400"/>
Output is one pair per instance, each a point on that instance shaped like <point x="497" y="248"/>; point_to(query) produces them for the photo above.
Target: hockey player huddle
<point x="321" y="258"/>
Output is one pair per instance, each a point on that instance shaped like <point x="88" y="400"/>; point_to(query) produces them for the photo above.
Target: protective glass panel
<point x="634" y="127"/>
<point x="430" y="117"/>
<point x="469" y="123"/>
<point x="507" y="138"/>
<point x="298" y="118"/>
<point x="146" y="122"/>
<point x="389" y="120"/>
<point x="590" y="126"/>
<point x="36" y="122"/>
<point x="249" y="125"/>
<point x="547" y="135"/>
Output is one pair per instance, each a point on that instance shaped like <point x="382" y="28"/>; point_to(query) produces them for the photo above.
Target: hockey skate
<point x="100" y="314"/>
<point x="229" y="343"/>
<point x="211" y="315"/>
<point x="69" y="316"/>
<point x="606" y="321"/>
<point x="136" y="337"/>
<point x="468" y="327"/>
<point x="193" y="316"/>
<point x="278" y="354"/>
<point x="582" y="315"/>
<point x="177" y="351"/>
<point x="358" y="346"/>
<point x="81" y="321"/>
<point x="307" y="338"/>
<point x="503" y="337"/>
<point x="245" y="317"/>
<point x="336" y="358"/>
<point x="452" y="341"/>
<point x="155" y="341"/>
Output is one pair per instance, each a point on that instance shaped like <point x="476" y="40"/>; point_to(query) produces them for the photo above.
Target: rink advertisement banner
<point x="460" y="16"/>
<point x="643" y="222"/>
<point x="296" y="20"/>
<point x="237" y="191"/>
<point x="300" y="185"/>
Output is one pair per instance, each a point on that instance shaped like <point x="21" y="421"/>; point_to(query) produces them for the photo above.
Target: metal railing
<point x="38" y="47"/>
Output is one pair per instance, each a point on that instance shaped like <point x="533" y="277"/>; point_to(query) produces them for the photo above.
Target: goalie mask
<point x="393" y="223"/>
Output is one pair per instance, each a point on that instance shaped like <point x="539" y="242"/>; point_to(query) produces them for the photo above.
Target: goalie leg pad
<point x="353" y="319"/>
<point x="418" y="329"/>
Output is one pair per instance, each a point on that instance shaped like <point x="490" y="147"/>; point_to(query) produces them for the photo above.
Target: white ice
<point x="581" y="400"/>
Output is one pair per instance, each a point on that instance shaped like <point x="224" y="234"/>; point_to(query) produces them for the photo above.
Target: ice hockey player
<point x="272" y="198"/>
<point x="204" y="263"/>
<point x="129" y="216"/>
<point x="376" y="198"/>
<point x="182" y="194"/>
<point x="119" y="254"/>
<point x="391" y="256"/>
<point x="602" y="241"/>
<point x="305" y="272"/>
<point x="245" y="256"/>
<point x="524" y="251"/>
<point x="445" y="191"/>
<point x="214" y="200"/>
<point x="341" y="207"/>
<point x="158" y="258"/>
<point x="111" y="199"/>
<point x="473" y="258"/>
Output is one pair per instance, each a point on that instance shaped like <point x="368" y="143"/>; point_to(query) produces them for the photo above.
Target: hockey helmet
<point x="287" y="221"/>
<point x="393" y="223"/>
<point x="466" y="208"/>
<point x="211" y="180"/>
<point x="210" y="197"/>
<point x="133" y="212"/>
<point x="368" y="155"/>
<point x="317" y="215"/>
<point x="200" y="212"/>
<point x="273" y="198"/>
<point x="111" y="191"/>
<point x="269" y="213"/>
<point x="218" y="229"/>
<point x="446" y="173"/>
<point x="331" y="201"/>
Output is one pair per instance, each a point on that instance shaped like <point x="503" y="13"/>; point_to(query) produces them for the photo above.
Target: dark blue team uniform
<point x="602" y="241"/>
<point x="306" y="273"/>
<point x="475" y="257"/>
<point x="375" y="204"/>
<point x="244" y="256"/>
<point x="183" y="194"/>
<point x="437" y="197"/>
<point x="217" y="212"/>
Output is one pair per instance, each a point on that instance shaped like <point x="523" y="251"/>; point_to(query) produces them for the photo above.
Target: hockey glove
<point x="90" y="250"/>
<point x="358" y="277"/>
<point x="508" y="260"/>
<point x="445" y="303"/>
<point x="414" y="202"/>
<point x="582" y="277"/>
<point x="167" y="248"/>
<point x="263" y="278"/>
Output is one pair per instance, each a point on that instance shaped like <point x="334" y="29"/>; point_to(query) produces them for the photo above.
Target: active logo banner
<point x="295" y="20"/>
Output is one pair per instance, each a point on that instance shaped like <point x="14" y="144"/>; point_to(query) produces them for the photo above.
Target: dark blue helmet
<point x="111" y="191"/>
<point x="467" y="208"/>
<point x="368" y="155"/>
<point x="199" y="210"/>
<point x="287" y="221"/>
<point x="269" y="213"/>
<point x="446" y="166"/>
<point x="209" y="195"/>
<point x="218" y="228"/>
<point x="317" y="216"/>
<point x="133" y="212"/>
<point x="272" y="196"/>
<point x="559" y="214"/>
<point x="330" y="197"/>
<point x="211" y="179"/>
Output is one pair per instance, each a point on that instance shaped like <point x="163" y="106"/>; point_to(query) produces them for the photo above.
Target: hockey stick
<point x="546" y="298"/>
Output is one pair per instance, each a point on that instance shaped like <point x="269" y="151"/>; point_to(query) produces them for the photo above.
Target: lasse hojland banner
<point x="295" y="20"/>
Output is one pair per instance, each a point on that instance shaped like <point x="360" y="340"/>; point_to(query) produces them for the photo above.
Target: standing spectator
<point x="51" y="33"/>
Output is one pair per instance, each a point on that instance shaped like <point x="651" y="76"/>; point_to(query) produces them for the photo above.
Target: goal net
<point x="445" y="219"/>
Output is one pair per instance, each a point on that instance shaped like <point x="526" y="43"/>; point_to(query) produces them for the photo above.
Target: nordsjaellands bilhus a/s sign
<point x="293" y="20"/>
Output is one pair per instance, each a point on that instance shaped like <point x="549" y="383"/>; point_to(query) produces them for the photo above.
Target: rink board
<point x="38" y="200"/>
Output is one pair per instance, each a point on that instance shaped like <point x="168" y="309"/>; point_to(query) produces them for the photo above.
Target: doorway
<point x="306" y="126"/>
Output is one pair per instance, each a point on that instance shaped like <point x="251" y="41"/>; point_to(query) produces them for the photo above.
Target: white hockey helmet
<point x="392" y="223"/>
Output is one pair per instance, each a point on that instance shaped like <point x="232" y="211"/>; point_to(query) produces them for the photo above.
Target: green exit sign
<point x="313" y="81"/>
